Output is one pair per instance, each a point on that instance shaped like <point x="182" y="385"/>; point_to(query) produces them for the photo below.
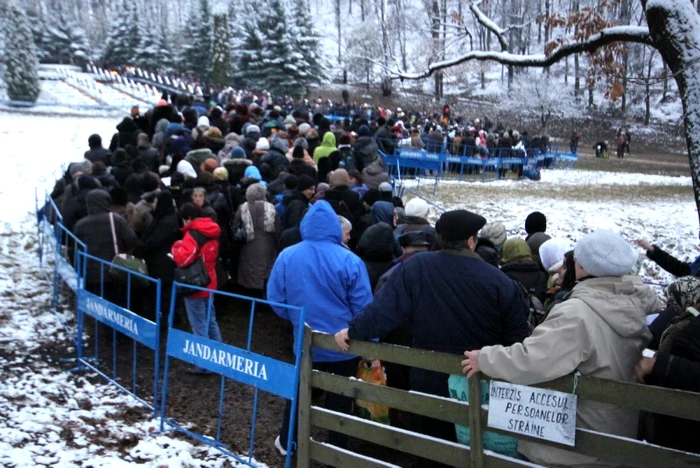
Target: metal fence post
<point x="476" y="446"/>
<point x="304" y="405"/>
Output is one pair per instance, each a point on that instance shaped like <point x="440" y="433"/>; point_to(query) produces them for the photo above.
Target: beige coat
<point x="600" y="331"/>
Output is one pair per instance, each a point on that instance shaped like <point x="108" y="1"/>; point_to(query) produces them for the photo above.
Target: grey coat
<point x="257" y="256"/>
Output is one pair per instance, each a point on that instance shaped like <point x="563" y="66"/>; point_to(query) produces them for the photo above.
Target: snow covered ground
<point x="49" y="416"/>
<point x="657" y="208"/>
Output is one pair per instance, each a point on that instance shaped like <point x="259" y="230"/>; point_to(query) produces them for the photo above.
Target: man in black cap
<point x="297" y="201"/>
<point x="450" y="297"/>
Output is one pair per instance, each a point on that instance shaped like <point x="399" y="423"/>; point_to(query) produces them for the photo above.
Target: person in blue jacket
<point x="449" y="297"/>
<point x="332" y="284"/>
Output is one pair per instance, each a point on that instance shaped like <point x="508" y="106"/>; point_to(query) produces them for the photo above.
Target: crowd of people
<point x="288" y="206"/>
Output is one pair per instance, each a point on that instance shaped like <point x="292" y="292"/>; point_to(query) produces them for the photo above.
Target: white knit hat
<point x="203" y="121"/>
<point x="605" y="253"/>
<point x="262" y="144"/>
<point x="186" y="169"/>
<point x="417" y="207"/>
<point x="495" y="233"/>
<point x="552" y="253"/>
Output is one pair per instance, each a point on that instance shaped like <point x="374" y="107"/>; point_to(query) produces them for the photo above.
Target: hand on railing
<point x="342" y="338"/>
<point x="470" y="366"/>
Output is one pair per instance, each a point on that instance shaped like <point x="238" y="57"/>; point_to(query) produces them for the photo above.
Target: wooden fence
<point x="612" y="448"/>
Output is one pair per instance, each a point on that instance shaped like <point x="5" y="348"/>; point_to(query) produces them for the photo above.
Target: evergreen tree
<point x="281" y="75"/>
<point x="249" y="69"/>
<point x="222" y="71"/>
<point x="21" y="64"/>
<point x="311" y="69"/>
<point x="196" y="52"/>
<point x="148" y="54"/>
<point x="123" y="39"/>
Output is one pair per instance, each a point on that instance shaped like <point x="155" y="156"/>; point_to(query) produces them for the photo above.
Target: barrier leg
<point x="164" y="398"/>
<point x="304" y="409"/>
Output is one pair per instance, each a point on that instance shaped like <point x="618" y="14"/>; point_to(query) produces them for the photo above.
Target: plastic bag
<point x="371" y="372"/>
<point x="505" y="445"/>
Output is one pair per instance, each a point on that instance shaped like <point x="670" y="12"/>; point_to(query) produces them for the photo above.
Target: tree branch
<point x="486" y="22"/>
<point x="604" y="37"/>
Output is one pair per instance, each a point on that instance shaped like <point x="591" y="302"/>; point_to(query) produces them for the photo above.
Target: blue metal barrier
<point x="99" y="304"/>
<point x="242" y="365"/>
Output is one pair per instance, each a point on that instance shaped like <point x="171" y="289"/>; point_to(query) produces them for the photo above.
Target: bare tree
<point x="673" y="29"/>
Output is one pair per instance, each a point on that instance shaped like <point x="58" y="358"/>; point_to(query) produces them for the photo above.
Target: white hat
<point x="186" y="169"/>
<point x="417" y="207"/>
<point x="203" y="121"/>
<point x="303" y="128"/>
<point x="385" y="187"/>
<point x="605" y="253"/>
<point x="252" y="129"/>
<point x="262" y="144"/>
<point x="494" y="233"/>
<point x="552" y="253"/>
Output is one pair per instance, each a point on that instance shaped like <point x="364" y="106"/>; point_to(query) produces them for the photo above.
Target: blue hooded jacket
<point x="254" y="173"/>
<point x="321" y="275"/>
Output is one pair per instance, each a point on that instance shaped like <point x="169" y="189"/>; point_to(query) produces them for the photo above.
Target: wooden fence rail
<point x="616" y="449"/>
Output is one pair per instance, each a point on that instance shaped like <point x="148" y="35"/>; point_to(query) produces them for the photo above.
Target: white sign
<point x="534" y="412"/>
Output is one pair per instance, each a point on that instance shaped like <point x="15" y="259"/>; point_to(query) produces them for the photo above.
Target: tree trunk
<point x="577" y="78"/>
<point x="590" y="95"/>
<point x="673" y="27"/>
<point x="625" y="62"/>
<point x="339" y="25"/>
<point x="665" y="72"/>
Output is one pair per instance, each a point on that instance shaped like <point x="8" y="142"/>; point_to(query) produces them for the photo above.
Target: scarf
<point x="247" y="219"/>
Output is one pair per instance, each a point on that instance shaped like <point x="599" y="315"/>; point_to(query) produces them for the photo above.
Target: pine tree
<point x="281" y="75"/>
<point x="21" y="64"/>
<point x="222" y="71"/>
<point x="249" y="69"/>
<point x="148" y="54"/>
<point x="123" y="40"/>
<point x="196" y="52"/>
<point x="311" y="70"/>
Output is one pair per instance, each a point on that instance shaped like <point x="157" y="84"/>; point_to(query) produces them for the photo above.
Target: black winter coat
<point x="680" y="370"/>
<point x="75" y="207"/>
<point x="100" y="154"/>
<point x="127" y="131"/>
<point x="668" y="262"/>
<point x="298" y="167"/>
<point x="151" y="156"/>
<point x="344" y="202"/>
<point x="156" y="242"/>
<point x="376" y="248"/>
<point x="121" y="171"/>
<point x="366" y="151"/>
<point x="95" y="231"/>
<point x="296" y="205"/>
<point x="486" y="250"/>
<point x="386" y="140"/>
<point x="529" y="274"/>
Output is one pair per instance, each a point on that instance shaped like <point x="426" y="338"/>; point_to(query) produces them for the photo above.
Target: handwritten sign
<point x="535" y="412"/>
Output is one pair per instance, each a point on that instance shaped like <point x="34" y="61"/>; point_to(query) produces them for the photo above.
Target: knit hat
<point x="535" y="241"/>
<point x="605" y="253"/>
<point x="186" y="169"/>
<point x="494" y="233"/>
<point x="371" y="196"/>
<point x="209" y="165"/>
<point x="203" y="121"/>
<point x="305" y="182"/>
<point x="252" y="129"/>
<point x="303" y="128"/>
<point x="238" y="153"/>
<point x="515" y="249"/>
<point x="552" y="253"/>
<point x="385" y="187"/>
<point x="363" y="130"/>
<point x="303" y="142"/>
<point x="75" y="168"/>
<point x="220" y="174"/>
<point x="262" y="144"/>
<point x="417" y="207"/>
<point x="535" y="222"/>
<point x="289" y="121"/>
<point x="291" y="182"/>
<point x="338" y="178"/>
<point x="459" y="225"/>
